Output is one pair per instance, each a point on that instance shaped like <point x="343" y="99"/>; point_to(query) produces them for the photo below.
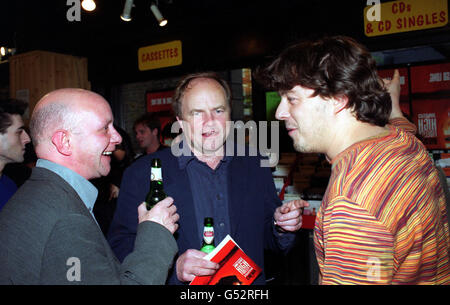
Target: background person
<point x="13" y="139"/>
<point x="147" y="129"/>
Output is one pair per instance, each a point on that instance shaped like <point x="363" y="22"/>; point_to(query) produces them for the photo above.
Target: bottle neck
<point x="156" y="182"/>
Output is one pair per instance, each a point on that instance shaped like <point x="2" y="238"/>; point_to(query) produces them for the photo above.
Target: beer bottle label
<point x="208" y="235"/>
<point x="156" y="174"/>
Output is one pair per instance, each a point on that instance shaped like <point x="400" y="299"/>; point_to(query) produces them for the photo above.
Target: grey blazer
<point x="48" y="236"/>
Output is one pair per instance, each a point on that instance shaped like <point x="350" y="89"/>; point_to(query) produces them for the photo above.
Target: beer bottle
<point x="156" y="192"/>
<point x="208" y="235"/>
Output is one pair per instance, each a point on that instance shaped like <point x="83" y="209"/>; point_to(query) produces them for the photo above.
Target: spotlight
<point x="161" y="20"/>
<point x="6" y="52"/>
<point x="88" y="5"/>
<point x="126" y="14"/>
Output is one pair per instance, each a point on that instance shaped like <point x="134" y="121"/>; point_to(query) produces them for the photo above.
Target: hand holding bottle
<point x="191" y="263"/>
<point x="164" y="213"/>
<point x="156" y="192"/>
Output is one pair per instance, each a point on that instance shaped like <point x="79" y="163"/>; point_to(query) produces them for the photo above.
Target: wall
<point x="34" y="74"/>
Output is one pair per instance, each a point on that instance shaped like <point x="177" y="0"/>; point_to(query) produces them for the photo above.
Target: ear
<point x="180" y="121"/>
<point x="340" y="103"/>
<point x="61" y="141"/>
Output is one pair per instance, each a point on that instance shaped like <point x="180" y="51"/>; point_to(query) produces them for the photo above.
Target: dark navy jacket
<point x="252" y="202"/>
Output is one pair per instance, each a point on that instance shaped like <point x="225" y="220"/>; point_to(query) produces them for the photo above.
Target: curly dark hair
<point x="9" y="107"/>
<point x="332" y="67"/>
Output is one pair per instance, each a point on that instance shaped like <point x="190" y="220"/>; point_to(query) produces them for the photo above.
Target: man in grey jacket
<point x="48" y="234"/>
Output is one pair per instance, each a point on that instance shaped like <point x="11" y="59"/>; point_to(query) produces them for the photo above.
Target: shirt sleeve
<point x="76" y="253"/>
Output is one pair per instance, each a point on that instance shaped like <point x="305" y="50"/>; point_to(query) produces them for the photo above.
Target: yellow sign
<point x="160" y="55"/>
<point x="404" y="16"/>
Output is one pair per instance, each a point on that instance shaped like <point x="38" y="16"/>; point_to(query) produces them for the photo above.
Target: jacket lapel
<point x="237" y="184"/>
<point x="75" y="201"/>
<point x="176" y="185"/>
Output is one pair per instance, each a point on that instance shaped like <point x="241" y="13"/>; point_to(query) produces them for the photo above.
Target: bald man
<point x="48" y="234"/>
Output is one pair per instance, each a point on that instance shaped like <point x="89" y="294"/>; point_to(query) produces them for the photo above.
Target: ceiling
<point x="214" y="33"/>
<point x="43" y="24"/>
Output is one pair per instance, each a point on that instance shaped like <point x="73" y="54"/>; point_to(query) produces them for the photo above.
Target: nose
<point x="25" y="137"/>
<point x="208" y="118"/>
<point x="282" y="112"/>
<point x="115" y="136"/>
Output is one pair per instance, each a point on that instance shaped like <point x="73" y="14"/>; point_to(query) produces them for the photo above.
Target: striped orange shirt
<point x="383" y="217"/>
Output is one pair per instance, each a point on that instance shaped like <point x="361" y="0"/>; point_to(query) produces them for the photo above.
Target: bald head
<point x="59" y="109"/>
<point x="74" y="128"/>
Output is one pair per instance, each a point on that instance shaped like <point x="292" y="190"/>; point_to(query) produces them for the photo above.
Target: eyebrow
<point x="196" y="110"/>
<point x="104" y="124"/>
<point x="202" y="110"/>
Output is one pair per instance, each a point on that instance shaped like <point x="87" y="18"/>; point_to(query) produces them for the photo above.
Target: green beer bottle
<point x="156" y="193"/>
<point x="208" y="235"/>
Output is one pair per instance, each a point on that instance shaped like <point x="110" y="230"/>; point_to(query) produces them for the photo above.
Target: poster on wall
<point x="430" y="78"/>
<point x="431" y="115"/>
<point x="161" y="102"/>
<point x="432" y="118"/>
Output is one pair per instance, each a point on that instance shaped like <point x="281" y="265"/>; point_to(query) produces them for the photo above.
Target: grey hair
<point x="53" y="116"/>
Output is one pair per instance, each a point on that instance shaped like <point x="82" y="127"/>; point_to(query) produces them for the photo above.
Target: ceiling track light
<point x="126" y="14"/>
<point x="161" y="20"/>
<point x="129" y="4"/>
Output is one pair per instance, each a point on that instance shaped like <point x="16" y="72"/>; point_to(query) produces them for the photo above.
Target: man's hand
<point x="164" y="213"/>
<point x="393" y="87"/>
<point x="288" y="217"/>
<point x="113" y="192"/>
<point x="191" y="264"/>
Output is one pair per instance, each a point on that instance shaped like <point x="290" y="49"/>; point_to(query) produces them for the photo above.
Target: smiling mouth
<point x="107" y="153"/>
